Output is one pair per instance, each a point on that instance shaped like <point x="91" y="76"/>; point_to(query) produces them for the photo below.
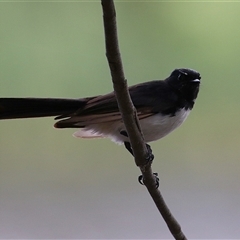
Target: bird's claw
<point x="141" y="180"/>
<point x="150" y="156"/>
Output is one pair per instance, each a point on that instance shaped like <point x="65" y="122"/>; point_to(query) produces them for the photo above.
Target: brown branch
<point x="120" y="84"/>
<point x="129" y="116"/>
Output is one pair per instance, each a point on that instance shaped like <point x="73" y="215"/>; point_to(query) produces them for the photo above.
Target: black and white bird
<point x="161" y="105"/>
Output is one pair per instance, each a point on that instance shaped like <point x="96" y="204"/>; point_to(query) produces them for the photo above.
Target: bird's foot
<point x="150" y="155"/>
<point x="141" y="179"/>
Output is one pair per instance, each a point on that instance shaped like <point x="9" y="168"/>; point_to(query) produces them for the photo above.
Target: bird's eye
<point x="182" y="76"/>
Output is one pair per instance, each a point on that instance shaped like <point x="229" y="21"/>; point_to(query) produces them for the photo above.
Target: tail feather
<point x="11" y="108"/>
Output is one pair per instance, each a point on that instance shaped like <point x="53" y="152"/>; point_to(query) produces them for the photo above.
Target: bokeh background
<point x="55" y="186"/>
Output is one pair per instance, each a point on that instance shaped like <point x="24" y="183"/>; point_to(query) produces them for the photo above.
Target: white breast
<point x="158" y="126"/>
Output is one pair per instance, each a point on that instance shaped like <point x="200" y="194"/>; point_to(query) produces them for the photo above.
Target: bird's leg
<point x="128" y="146"/>
<point x="149" y="158"/>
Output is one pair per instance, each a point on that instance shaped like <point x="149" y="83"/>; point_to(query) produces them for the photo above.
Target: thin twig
<point x="129" y="116"/>
<point x="120" y="84"/>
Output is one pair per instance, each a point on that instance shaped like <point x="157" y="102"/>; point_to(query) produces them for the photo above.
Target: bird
<point x="161" y="105"/>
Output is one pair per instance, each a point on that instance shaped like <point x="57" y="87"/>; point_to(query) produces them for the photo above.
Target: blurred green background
<point x="55" y="186"/>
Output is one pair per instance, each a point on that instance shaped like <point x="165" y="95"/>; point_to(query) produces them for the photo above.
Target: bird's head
<point x="185" y="81"/>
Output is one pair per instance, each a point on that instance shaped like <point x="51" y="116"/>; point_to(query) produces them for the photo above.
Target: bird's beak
<point x="196" y="80"/>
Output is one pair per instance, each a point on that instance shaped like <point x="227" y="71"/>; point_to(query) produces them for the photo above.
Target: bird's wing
<point x="148" y="98"/>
